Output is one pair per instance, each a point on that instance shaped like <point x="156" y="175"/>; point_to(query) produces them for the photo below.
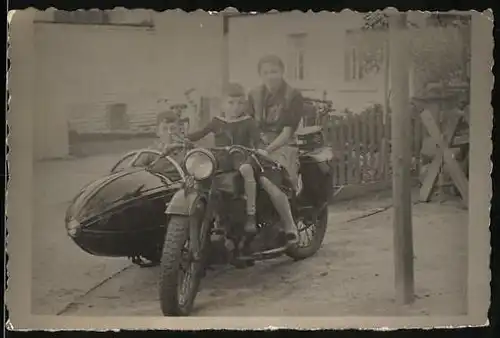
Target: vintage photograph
<point x="280" y="164"/>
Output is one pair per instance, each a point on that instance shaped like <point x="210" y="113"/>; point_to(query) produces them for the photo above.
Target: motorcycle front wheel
<point x="180" y="276"/>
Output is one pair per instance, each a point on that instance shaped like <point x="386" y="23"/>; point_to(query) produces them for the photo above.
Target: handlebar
<point x="253" y="151"/>
<point x="187" y="144"/>
<point x="183" y="144"/>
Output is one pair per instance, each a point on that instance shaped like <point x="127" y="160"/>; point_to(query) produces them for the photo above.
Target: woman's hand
<point x="281" y="140"/>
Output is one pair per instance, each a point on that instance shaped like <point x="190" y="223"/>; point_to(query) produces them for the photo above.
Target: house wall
<point x="82" y="69"/>
<point x="253" y="36"/>
<point x="188" y="50"/>
<point x="20" y="117"/>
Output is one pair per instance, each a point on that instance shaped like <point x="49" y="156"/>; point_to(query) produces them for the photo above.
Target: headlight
<point x="199" y="163"/>
<point x="73" y="227"/>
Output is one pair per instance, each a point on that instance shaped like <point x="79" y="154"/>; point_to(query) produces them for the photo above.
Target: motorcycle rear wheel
<point x="298" y="252"/>
<point x="172" y="279"/>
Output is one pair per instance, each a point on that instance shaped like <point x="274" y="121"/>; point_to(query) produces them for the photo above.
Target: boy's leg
<point x="250" y="184"/>
<point x="282" y="205"/>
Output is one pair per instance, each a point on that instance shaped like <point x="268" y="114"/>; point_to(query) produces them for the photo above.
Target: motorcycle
<point x="207" y="214"/>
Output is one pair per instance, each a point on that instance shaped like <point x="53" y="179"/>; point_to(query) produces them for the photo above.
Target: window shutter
<point x="347" y="65"/>
<point x="297" y="56"/>
<point x="354" y="69"/>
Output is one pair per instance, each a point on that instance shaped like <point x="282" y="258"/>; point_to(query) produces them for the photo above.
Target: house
<point x="313" y="49"/>
<point x="112" y="71"/>
<point x="105" y="72"/>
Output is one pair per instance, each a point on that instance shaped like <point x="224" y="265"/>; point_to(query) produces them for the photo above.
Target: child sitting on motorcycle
<point x="170" y="131"/>
<point x="234" y="127"/>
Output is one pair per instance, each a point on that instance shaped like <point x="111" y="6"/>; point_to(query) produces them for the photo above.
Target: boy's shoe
<point x="291" y="235"/>
<point x="292" y="238"/>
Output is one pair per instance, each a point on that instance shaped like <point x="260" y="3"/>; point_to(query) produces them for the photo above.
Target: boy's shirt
<point x="243" y="131"/>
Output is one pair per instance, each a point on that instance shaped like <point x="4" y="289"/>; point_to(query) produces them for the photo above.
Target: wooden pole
<point x="225" y="50"/>
<point x="401" y="158"/>
<point x="385" y="167"/>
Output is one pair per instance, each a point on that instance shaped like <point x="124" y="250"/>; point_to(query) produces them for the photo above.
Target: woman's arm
<point x="291" y="123"/>
<point x="255" y="137"/>
<point x="281" y="140"/>
<point x="249" y="109"/>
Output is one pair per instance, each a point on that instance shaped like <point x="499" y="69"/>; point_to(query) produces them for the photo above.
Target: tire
<point x="299" y="253"/>
<point x="175" y="238"/>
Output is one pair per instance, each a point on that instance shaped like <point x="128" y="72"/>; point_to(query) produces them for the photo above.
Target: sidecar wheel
<point x="173" y="274"/>
<point x="298" y="251"/>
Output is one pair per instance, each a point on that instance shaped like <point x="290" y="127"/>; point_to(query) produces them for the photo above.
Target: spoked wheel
<point x="311" y="231"/>
<point x="180" y="274"/>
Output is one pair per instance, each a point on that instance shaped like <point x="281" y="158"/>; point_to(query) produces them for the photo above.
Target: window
<point x="104" y="17"/>
<point x="297" y="43"/>
<point x="95" y="17"/>
<point x="352" y="68"/>
<point x="117" y="117"/>
<point x="363" y="62"/>
<point x="445" y="19"/>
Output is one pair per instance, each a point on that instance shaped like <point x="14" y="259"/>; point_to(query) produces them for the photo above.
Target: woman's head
<point x="234" y="100"/>
<point x="271" y="70"/>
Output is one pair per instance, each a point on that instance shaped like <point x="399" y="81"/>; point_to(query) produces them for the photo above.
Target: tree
<point x="439" y="49"/>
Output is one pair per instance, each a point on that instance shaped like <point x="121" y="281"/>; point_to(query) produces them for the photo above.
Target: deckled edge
<point x="8" y="323"/>
<point x="235" y="11"/>
<point x="227" y="10"/>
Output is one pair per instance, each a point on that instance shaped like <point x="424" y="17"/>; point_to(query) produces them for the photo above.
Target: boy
<point x="234" y="127"/>
<point x="169" y="131"/>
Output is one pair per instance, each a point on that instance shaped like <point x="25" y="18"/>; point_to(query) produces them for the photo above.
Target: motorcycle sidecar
<point x="123" y="214"/>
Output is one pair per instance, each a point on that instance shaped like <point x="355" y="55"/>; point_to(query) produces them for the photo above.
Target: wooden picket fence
<point x="361" y="143"/>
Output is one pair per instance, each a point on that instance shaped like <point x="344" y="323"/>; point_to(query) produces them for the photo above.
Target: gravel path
<point x="352" y="274"/>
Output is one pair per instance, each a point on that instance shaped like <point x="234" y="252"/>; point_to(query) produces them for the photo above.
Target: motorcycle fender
<point x="183" y="204"/>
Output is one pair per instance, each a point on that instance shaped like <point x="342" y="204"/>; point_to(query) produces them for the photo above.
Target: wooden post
<point x="401" y="159"/>
<point x="225" y="50"/>
<point x="385" y="130"/>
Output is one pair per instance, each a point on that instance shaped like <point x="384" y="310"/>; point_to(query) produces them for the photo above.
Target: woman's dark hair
<point x="270" y="59"/>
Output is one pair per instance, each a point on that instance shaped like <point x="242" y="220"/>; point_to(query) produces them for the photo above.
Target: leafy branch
<point x="438" y="57"/>
<point x="380" y="21"/>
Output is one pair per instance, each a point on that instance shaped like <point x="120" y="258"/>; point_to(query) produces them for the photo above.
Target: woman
<point x="278" y="109"/>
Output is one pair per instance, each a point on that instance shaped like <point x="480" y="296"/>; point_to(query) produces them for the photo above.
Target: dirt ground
<point x="352" y="274"/>
<point x="60" y="269"/>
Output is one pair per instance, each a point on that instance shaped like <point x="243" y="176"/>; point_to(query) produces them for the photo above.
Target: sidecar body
<point x="123" y="213"/>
